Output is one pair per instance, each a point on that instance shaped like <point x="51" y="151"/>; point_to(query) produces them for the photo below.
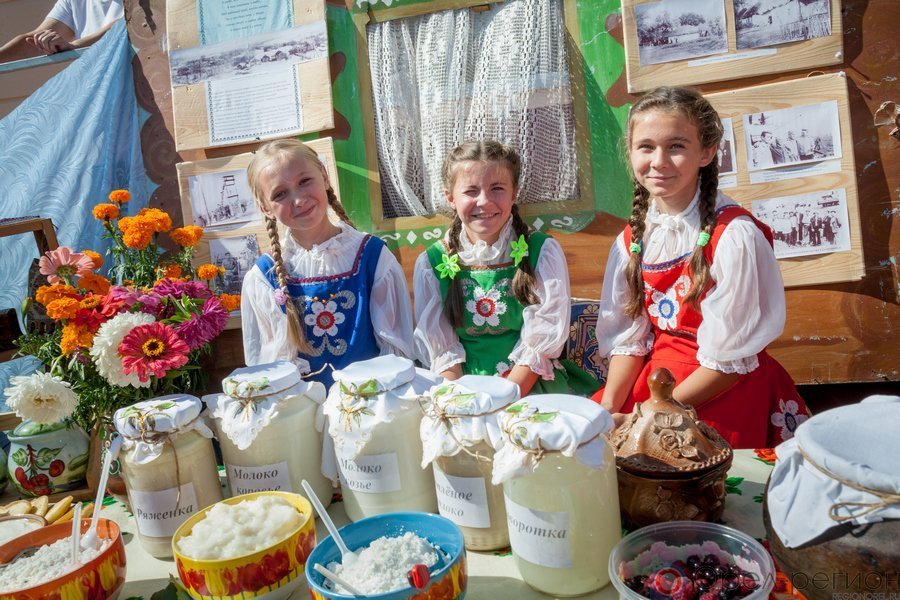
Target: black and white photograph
<point x="725" y="153"/>
<point x="760" y="23"/>
<point x="673" y="30"/>
<point x="223" y="198"/>
<point x="236" y="255"/>
<point x="792" y="136"/>
<point x="261" y="53"/>
<point x="814" y="223"/>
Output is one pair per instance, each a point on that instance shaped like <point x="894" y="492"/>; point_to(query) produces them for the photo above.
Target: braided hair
<point x="483" y="151"/>
<point x="692" y="105"/>
<point x="272" y="155"/>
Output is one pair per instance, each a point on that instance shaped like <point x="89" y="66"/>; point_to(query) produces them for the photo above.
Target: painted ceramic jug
<point x="45" y="459"/>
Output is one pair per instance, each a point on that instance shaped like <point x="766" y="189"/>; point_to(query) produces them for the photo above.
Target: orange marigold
<point x="95" y="256"/>
<point x="48" y="293"/>
<point x="161" y="220"/>
<point x="75" y="336"/>
<point x="90" y="302"/>
<point x="120" y="196"/>
<point x="230" y="302"/>
<point x="94" y="283"/>
<point x="106" y="212"/>
<point x="207" y="271"/>
<point x="188" y="236"/>
<point x="172" y="271"/>
<point x="63" y="308"/>
<point x="138" y="232"/>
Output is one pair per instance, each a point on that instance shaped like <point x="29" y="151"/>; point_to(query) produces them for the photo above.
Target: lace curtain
<point x="443" y="78"/>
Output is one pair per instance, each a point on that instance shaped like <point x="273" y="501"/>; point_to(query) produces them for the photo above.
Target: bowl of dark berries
<point x="690" y="560"/>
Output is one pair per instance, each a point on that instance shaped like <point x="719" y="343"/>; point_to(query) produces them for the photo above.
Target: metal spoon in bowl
<point x="348" y="557"/>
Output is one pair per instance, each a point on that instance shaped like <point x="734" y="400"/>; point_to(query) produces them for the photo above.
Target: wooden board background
<point x="834" y="333"/>
<point x="792" y="56"/>
<point x="189" y="101"/>
<point x="819" y="268"/>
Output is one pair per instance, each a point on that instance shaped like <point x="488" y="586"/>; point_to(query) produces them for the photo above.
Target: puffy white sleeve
<point x="545" y="326"/>
<point x="437" y="345"/>
<point x="745" y="311"/>
<point x="264" y="325"/>
<point x="390" y="308"/>
<point x="617" y="332"/>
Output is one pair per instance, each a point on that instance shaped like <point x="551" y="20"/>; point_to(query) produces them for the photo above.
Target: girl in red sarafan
<point x="692" y="283"/>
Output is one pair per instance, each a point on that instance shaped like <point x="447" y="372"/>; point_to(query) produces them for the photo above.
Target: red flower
<point x="152" y="349"/>
<point x="251" y="577"/>
<point x="305" y="543"/>
<point x="234" y="586"/>
<point x="198" y="582"/>
<point x="767" y="455"/>
<point x="275" y="566"/>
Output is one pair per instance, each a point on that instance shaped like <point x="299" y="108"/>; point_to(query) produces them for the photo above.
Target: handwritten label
<point x="539" y="537"/>
<point x="373" y="474"/>
<point x="158" y="514"/>
<point x="264" y="478"/>
<point x="463" y="500"/>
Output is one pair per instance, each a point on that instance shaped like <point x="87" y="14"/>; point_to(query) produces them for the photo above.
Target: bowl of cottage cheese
<point x="249" y="546"/>
<point x="388" y="546"/>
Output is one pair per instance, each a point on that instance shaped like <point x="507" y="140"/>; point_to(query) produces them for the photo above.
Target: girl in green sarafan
<point x="491" y="297"/>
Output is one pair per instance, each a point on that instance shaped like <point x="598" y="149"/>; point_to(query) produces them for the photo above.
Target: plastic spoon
<point x="76" y="534"/>
<point x="90" y="536"/>
<point x="337" y="580"/>
<point x="348" y="557"/>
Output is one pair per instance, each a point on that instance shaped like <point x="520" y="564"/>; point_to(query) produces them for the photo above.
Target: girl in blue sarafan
<point x="327" y="294"/>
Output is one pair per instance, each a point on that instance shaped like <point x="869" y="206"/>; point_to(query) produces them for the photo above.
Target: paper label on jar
<point x="264" y="478"/>
<point x="373" y="474"/>
<point x="463" y="500"/>
<point x="538" y="536"/>
<point x="158" y="514"/>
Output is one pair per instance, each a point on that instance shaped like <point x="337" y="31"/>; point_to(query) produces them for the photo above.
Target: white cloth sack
<point x="857" y="443"/>
<point x="253" y="397"/>
<point x="463" y="412"/>
<point x="146" y="427"/>
<point x="572" y="425"/>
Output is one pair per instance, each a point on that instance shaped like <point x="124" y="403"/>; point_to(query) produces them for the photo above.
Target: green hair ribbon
<point x="449" y="266"/>
<point x="703" y="238"/>
<point x="518" y="249"/>
<point x="635" y="247"/>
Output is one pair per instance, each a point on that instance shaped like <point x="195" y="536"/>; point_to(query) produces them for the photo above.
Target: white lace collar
<point x="689" y="217"/>
<point x="481" y="252"/>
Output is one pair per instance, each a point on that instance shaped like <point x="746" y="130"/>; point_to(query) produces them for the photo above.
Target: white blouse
<point x="264" y="323"/>
<point x="545" y="326"/>
<point x="742" y="313"/>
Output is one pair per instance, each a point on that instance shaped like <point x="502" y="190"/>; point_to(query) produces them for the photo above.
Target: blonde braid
<point x="296" y="333"/>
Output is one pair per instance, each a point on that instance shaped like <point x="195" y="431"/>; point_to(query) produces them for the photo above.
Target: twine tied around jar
<point x="516" y="432"/>
<point x="353" y="401"/>
<point x="433" y="410"/>
<point x="885" y="499"/>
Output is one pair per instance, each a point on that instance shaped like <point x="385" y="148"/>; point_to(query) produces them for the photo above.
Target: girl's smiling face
<point x="666" y="156"/>
<point x="482" y="195"/>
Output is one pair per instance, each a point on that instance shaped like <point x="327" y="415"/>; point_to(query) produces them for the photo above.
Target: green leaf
<point x="164" y="405"/>
<point x="516" y="408"/>
<point x="173" y="591"/>
<point x="79" y="461"/>
<point x="45" y="456"/>
<point x="733" y="481"/>
<point x="543" y="417"/>
<point x="20" y="457"/>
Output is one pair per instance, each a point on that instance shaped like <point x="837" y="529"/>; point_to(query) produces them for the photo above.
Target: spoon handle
<point x="336" y="579"/>
<point x="323" y="514"/>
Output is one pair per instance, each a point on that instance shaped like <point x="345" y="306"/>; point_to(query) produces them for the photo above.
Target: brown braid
<point x="709" y="191"/>
<point x="690" y="103"/>
<point x="296" y="334"/>
<point x="453" y="303"/>
<point x="523" y="282"/>
<point x="337" y="207"/>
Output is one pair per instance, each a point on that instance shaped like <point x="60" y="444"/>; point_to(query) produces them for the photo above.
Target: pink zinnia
<point x="63" y="264"/>
<point x="118" y="299"/>
<point x="177" y="288"/>
<point x="152" y="349"/>
<point x="203" y="327"/>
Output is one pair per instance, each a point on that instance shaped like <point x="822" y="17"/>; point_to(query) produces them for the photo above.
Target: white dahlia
<point x="41" y="397"/>
<point x="105" y="350"/>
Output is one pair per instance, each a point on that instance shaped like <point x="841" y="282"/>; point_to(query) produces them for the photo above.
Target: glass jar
<point x="374" y="417"/>
<point x="168" y="465"/>
<point x="265" y="423"/>
<point x="563" y="515"/>
<point x="467" y="497"/>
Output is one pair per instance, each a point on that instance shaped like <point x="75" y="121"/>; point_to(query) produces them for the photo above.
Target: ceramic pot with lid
<point x="671" y="465"/>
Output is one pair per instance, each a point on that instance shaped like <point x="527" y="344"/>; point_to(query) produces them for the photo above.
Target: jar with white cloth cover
<point x="562" y="503"/>
<point x="168" y="465"/>
<point x="459" y="431"/>
<point x="373" y="417"/>
<point x="269" y="424"/>
<point x="833" y="501"/>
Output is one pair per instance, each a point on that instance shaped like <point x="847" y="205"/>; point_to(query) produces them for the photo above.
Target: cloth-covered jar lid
<point x="463" y="413"/>
<point x="535" y="425"/>
<point x="841" y="466"/>
<point x="366" y="394"/>
<point x="147" y="426"/>
<point x="253" y="397"/>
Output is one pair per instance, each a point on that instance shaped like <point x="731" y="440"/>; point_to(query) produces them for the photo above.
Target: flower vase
<point x="115" y="484"/>
<point x="45" y="459"/>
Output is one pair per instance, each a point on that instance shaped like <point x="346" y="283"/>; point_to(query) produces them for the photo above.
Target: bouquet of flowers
<point x="113" y="344"/>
